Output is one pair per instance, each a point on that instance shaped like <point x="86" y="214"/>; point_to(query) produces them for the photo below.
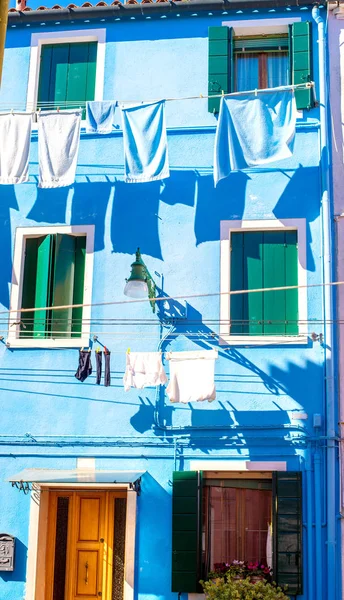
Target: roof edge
<point x="144" y="9"/>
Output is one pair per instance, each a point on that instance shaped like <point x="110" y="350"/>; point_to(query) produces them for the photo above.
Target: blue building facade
<point x="270" y="433"/>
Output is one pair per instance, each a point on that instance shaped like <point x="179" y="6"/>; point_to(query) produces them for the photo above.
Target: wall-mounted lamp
<point x="140" y="283"/>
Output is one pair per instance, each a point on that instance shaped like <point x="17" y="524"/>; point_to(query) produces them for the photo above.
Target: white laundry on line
<point x="192" y="376"/>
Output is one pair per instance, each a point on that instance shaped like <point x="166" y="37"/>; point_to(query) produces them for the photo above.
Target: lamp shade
<point x="136" y="289"/>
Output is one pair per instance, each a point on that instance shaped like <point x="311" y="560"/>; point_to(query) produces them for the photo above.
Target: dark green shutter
<point x="67" y="74"/>
<point x="29" y="285"/>
<point x="186" y="528"/>
<point x="43" y="285"/>
<point x="264" y="259"/>
<point x="63" y="285"/>
<point x="79" y="277"/>
<point x="301" y="62"/>
<point x="220" y="69"/>
<point x="287" y="530"/>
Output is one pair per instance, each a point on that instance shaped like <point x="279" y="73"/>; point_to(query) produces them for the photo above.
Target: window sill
<point x="263" y="340"/>
<point x="48" y="343"/>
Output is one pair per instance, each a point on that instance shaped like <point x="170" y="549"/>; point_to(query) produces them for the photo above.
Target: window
<point x="264" y="259"/>
<point x="67" y="75"/>
<point x="227" y="519"/>
<point x="53" y="266"/>
<point x="236" y="521"/>
<point x="255" y="62"/>
<point x="256" y="255"/>
<point x="54" y="272"/>
<point x="260" y="62"/>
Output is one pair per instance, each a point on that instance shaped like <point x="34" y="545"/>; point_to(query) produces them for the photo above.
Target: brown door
<point x="81" y="539"/>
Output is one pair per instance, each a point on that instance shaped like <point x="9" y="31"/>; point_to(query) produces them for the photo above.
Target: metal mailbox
<point x="7" y="551"/>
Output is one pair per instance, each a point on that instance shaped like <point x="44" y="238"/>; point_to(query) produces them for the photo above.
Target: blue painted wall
<point x="177" y="225"/>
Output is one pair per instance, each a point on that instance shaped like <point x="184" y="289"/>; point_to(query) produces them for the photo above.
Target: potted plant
<point x="227" y="588"/>
<point x="258" y="572"/>
<point x="238" y="569"/>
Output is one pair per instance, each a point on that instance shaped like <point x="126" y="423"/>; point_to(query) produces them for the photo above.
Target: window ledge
<point x="48" y="343"/>
<point x="263" y="340"/>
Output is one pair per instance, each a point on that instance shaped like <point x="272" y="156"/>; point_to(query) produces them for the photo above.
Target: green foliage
<point x="243" y="589"/>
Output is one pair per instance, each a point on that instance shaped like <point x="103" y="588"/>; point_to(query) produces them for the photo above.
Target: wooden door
<point x="80" y="546"/>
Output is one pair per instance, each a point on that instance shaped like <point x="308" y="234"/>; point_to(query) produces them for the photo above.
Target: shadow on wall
<point x="19" y="573"/>
<point x="242" y="386"/>
<point x="50" y="206"/>
<point x="225" y="202"/>
<point x="301" y="200"/>
<point x="135" y="217"/>
<point x="8" y="201"/>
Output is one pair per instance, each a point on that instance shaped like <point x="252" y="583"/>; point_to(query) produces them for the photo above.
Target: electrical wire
<point x="165" y="298"/>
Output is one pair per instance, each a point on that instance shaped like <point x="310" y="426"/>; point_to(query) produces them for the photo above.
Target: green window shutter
<point x="220" y="68"/>
<point x="301" y="61"/>
<point x="63" y="285"/>
<point x="79" y="278"/>
<point x="287" y="530"/>
<point x="43" y="285"/>
<point x="263" y="260"/>
<point x="29" y="287"/>
<point x="67" y="74"/>
<point x="186" y="537"/>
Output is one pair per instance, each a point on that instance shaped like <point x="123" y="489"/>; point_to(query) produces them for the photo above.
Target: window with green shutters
<point x="258" y="260"/>
<point x="259" y="61"/>
<point x="224" y="519"/>
<point x="54" y="270"/>
<point x="67" y="75"/>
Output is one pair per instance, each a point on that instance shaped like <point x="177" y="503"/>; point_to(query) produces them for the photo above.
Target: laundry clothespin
<point x="106" y="351"/>
<point x="12" y="111"/>
<point x="128" y="350"/>
<point x="58" y="109"/>
<point x="222" y="93"/>
<point x="256" y="92"/>
<point x="98" y="349"/>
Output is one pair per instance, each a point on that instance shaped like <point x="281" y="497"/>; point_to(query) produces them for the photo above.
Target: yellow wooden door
<point x="79" y="554"/>
<point x="88" y="547"/>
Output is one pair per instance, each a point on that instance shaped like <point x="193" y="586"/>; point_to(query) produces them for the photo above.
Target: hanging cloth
<point x="192" y="376"/>
<point x="100" y="116"/>
<point x="269" y="546"/>
<point x="15" y="138"/>
<point x="84" y="369"/>
<point x="143" y="369"/>
<point x="58" y="146"/>
<point x="98" y="366"/>
<point x="254" y="130"/>
<point x="145" y="142"/>
<point x="107" y="375"/>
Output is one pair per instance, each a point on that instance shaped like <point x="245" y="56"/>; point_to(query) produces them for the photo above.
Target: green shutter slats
<point x="43" y="285"/>
<point x="67" y="74"/>
<point x="29" y="287"/>
<point x="63" y="285"/>
<point x="79" y="278"/>
<point x="220" y="64"/>
<point x="257" y="44"/>
<point x="291" y="278"/>
<point x="253" y="279"/>
<point x="264" y="260"/>
<point x="186" y="516"/>
<point x="287" y="528"/>
<point x="301" y="61"/>
<point x="274" y="276"/>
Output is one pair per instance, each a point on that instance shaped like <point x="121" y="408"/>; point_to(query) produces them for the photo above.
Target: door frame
<point x="38" y="536"/>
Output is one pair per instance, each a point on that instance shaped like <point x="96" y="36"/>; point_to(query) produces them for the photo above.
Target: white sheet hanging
<point x="15" y="137"/>
<point x="192" y="376"/>
<point x="144" y="369"/>
<point x="58" y="146"/>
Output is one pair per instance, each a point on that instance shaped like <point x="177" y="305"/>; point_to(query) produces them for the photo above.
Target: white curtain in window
<point x="247" y="72"/>
<point x="278" y="69"/>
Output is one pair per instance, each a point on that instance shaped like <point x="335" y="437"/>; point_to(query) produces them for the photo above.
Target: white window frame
<point x="64" y="37"/>
<point x="229" y="227"/>
<point x="22" y="233"/>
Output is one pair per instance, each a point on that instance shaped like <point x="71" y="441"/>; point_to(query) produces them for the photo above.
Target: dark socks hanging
<point x="85" y="365"/>
<point x="107" y="377"/>
<point x="99" y="366"/>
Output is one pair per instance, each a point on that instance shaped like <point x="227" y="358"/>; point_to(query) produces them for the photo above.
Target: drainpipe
<point x="310" y="525"/>
<point x="3" y="29"/>
<point x="328" y="311"/>
<point x="318" y="535"/>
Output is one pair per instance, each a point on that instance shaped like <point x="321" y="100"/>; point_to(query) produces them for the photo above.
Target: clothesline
<point x="75" y="103"/>
<point x="164" y="298"/>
